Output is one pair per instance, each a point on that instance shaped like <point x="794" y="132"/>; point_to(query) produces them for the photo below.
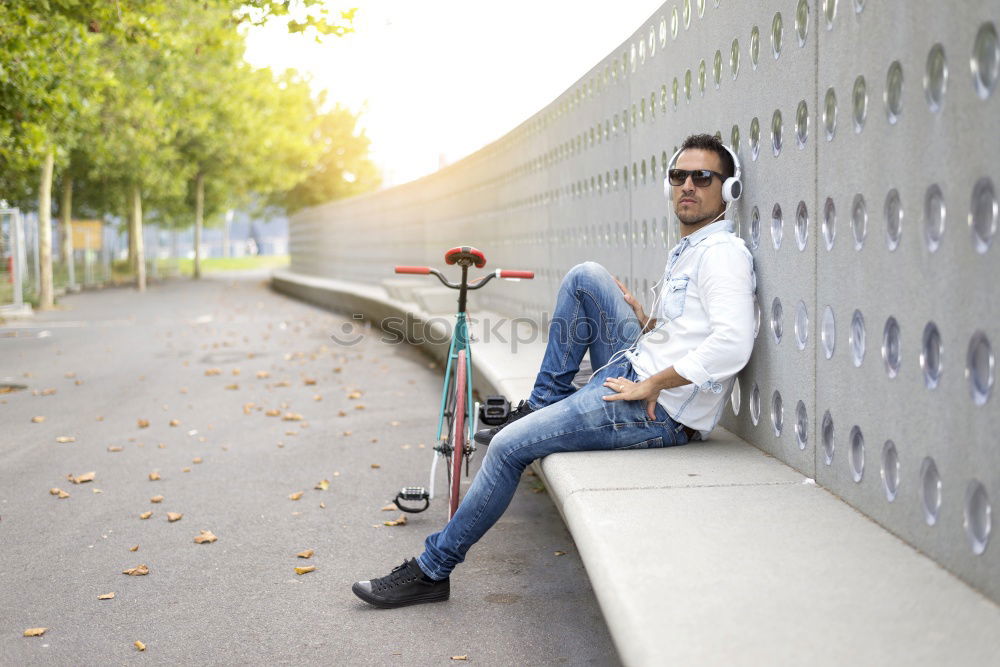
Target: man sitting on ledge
<point x="661" y="381"/>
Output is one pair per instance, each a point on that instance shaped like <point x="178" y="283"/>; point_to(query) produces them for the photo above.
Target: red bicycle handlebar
<point x="506" y="273"/>
<point x="413" y="269"/>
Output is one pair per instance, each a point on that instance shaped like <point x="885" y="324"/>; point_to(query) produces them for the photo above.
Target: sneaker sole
<point x="387" y="604"/>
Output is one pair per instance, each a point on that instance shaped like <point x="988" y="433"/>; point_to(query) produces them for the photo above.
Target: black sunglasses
<point x="700" y="177"/>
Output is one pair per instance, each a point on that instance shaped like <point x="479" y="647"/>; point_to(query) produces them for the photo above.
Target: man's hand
<point x="627" y="390"/>
<point x="644" y="320"/>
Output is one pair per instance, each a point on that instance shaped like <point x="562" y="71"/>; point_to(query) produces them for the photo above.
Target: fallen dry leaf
<point x="65" y="438"/>
<point x="137" y="571"/>
<point x="106" y="596"/>
<point x="322" y="485"/>
<point x="97" y="491"/>
<point x="283" y="383"/>
<point x="322" y="505"/>
<point x="205" y="537"/>
<point x="401" y="521"/>
<point x="341" y="413"/>
<point x="70" y="375"/>
<point x="459" y="657"/>
<point x="114" y="448"/>
<point x="213" y="371"/>
<point x="354" y="394"/>
<point x="248" y="408"/>
<point x="303" y="570"/>
<point x="185" y="469"/>
<point x="376" y="465"/>
<point x="305" y="554"/>
<point x="560" y="553"/>
<point x="309" y="381"/>
<point x="156" y="499"/>
<point x="391" y="507"/>
<point x="135" y="548"/>
<point x="85" y="477"/>
<point x="232" y="387"/>
<point x="35" y="632"/>
<point x="38" y="420"/>
<point x="146" y="514"/>
<point x="196" y="459"/>
<point x="173" y="516"/>
<point x="236" y="371"/>
<point x="48" y="392"/>
<point x="291" y="417"/>
<point x="273" y="413"/>
<point x="139" y="645"/>
<point x="143" y="423"/>
<point x="153" y="476"/>
<point x="263" y="374"/>
<point x="347" y="432"/>
<point x="58" y="492"/>
<point x="359" y="406"/>
<point x="175" y="422"/>
<point x="394" y="423"/>
<point x="295" y="496"/>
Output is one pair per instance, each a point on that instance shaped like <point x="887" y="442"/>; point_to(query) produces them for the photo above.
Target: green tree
<point x="343" y="168"/>
<point x="148" y="103"/>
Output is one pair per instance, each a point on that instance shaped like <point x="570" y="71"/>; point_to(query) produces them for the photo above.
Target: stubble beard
<point x="694" y="219"/>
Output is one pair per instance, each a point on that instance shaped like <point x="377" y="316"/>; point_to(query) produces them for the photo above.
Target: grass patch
<point x="185" y="267"/>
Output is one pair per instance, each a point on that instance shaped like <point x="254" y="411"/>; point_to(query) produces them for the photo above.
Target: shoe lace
<point x="401" y="574"/>
<point x="521" y="410"/>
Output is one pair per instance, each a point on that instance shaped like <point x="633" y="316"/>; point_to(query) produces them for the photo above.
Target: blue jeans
<point x="590" y="315"/>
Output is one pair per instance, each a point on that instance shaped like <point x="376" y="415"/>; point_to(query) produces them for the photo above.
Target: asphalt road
<point x="204" y="363"/>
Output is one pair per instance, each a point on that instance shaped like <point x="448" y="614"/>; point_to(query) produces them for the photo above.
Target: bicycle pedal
<point x="413" y="493"/>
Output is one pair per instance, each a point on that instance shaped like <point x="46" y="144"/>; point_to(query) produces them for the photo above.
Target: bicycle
<point x="455" y="429"/>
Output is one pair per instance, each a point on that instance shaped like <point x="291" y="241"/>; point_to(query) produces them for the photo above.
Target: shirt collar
<point x="706" y="231"/>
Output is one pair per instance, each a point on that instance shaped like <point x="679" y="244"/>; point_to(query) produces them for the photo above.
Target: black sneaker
<point x="484" y="436"/>
<point x="406" y="584"/>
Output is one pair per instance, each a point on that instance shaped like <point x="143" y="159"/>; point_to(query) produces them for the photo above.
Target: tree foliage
<point x="152" y="93"/>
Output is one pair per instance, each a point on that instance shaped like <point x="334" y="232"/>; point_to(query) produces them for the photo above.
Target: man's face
<point x="694" y="205"/>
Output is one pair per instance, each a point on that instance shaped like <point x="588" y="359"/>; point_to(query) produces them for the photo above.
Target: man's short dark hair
<point x="710" y="142"/>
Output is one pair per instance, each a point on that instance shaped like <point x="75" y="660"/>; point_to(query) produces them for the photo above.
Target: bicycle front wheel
<point x="460" y="401"/>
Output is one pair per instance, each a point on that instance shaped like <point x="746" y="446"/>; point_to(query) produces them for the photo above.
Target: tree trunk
<point x="45" y="233"/>
<point x="140" y="258"/>
<point x="199" y="211"/>
<point x="66" y="225"/>
<point x="129" y="210"/>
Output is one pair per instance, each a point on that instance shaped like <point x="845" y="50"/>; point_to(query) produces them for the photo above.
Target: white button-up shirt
<point x="705" y="323"/>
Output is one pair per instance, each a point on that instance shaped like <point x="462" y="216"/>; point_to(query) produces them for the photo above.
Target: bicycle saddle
<point x="465" y="256"/>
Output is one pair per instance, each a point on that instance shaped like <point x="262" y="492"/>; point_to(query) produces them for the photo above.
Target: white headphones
<point x="732" y="187"/>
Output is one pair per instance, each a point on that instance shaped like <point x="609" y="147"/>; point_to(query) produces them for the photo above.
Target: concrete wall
<point x="869" y="134"/>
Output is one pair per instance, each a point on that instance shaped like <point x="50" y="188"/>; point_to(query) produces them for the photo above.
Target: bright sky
<point x="446" y="77"/>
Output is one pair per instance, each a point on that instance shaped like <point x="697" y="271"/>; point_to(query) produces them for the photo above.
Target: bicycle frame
<point x="460" y="343"/>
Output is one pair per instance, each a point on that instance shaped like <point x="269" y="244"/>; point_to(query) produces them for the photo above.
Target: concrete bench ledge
<point x="716" y="553"/>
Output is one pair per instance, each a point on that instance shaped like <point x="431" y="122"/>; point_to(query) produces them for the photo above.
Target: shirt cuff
<point x="690" y="369"/>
